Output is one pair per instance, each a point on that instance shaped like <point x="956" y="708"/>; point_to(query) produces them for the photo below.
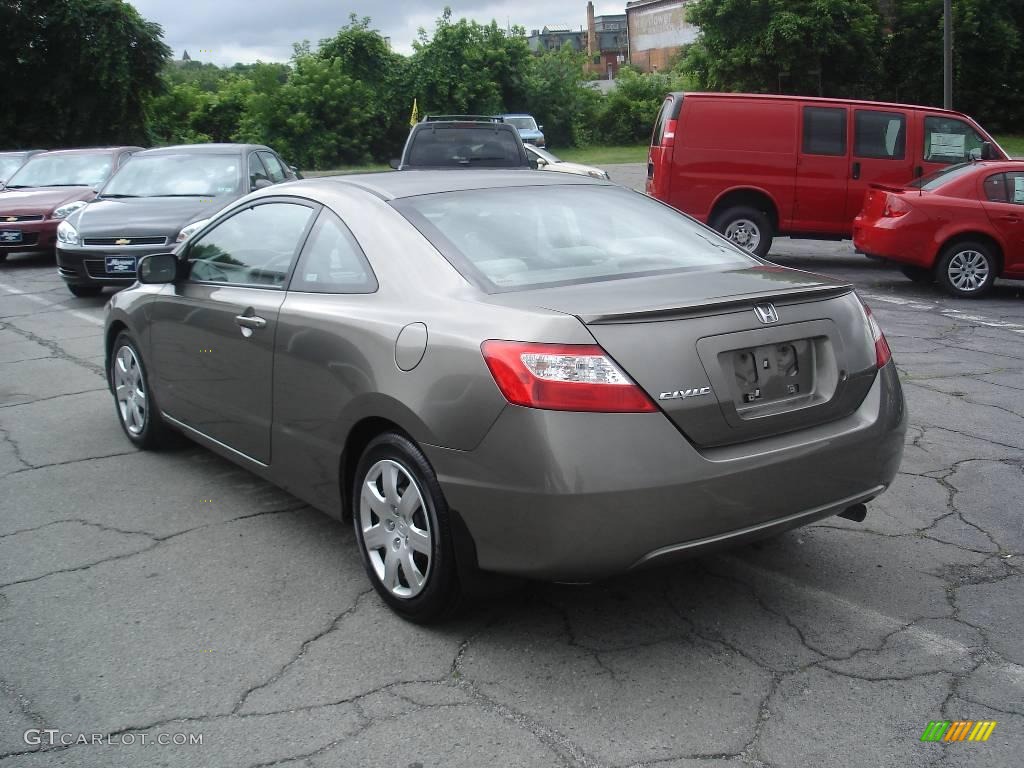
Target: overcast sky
<point x="226" y="31"/>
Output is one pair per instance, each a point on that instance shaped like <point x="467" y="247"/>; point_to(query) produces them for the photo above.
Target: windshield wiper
<point x="182" y="195"/>
<point x="111" y="197"/>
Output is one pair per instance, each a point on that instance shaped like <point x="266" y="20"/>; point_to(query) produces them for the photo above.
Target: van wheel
<point x="403" y="531"/>
<point x="967" y="269"/>
<point x="921" y="275"/>
<point x="746" y="227"/>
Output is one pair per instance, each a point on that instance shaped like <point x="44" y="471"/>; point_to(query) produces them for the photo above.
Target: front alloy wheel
<point x="136" y="411"/>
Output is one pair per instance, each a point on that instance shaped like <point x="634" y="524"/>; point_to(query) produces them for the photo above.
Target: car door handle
<point x="1010" y="217"/>
<point x="856" y="170"/>
<point x="250" y="321"/>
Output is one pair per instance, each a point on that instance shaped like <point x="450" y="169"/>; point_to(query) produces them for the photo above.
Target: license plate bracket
<point x="119" y="265"/>
<point x="10" y="236"/>
<point x="769" y="374"/>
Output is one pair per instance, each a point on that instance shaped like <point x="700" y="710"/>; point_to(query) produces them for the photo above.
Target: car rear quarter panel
<point x="716" y="152"/>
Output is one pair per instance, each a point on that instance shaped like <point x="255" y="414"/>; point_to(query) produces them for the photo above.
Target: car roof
<point x="813" y="99"/>
<point x="517" y="114"/>
<point x="89" y="150"/>
<point x="392" y="185"/>
<point x="208" y="149"/>
<point x="21" y="151"/>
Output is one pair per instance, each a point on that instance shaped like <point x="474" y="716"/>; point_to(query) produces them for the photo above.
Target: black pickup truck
<point x="462" y="141"/>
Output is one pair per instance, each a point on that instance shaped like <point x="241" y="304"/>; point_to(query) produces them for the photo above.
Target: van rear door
<point x="659" y="157"/>
<point x="822" y="170"/>
<point x="881" y="155"/>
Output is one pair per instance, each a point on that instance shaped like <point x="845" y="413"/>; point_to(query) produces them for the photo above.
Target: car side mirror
<point x="395" y="163"/>
<point x="974" y="155"/>
<point x="158" y="268"/>
<point x="262" y="184"/>
<point x="988" y="152"/>
<point x="540" y="127"/>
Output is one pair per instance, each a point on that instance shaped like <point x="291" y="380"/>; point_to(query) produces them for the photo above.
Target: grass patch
<point x="604" y="155"/>
<point x="1014" y="145"/>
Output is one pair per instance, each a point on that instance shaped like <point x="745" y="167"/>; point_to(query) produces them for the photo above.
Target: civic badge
<point x="123" y="241"/>
<point x="766" y="313"/>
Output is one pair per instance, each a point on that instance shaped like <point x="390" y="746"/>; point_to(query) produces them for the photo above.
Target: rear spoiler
<point x="724" y="304"/>
<point x="888" y="188"/>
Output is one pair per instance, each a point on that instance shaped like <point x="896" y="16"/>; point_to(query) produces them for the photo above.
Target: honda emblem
<point x="766" y="313"/>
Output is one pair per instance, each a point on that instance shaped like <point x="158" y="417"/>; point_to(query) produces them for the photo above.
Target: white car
<point x="548" y="162"/>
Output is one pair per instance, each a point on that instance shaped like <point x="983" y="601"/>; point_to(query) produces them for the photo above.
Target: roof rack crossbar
<point x="488" y="118"/>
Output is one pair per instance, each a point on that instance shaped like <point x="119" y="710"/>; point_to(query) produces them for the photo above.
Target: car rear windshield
<point x="522" y="123"/>
<point x="440" y="147"/>
<point x="197" y="175"/>
<point x="72" y="170"/>
<point x="517" y="238"/>
<point x="938" y="178"/>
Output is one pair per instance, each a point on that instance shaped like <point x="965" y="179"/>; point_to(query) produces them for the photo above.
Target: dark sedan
<point x="535" y="374"/>
<point x="49" y="188"/>
<point x="158" y="199"/>
<point x="12" y="161"/>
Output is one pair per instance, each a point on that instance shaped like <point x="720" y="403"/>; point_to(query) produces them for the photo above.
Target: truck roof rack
<point x="469" y="118"/>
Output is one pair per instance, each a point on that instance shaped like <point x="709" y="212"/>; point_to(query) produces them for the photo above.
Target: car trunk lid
<point x="774" y="350"/>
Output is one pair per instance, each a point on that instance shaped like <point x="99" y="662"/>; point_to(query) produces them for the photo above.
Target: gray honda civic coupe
<point x="545" y="376"/>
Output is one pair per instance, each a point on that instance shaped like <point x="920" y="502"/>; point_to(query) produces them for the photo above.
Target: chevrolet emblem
<point x="123" y="241"/>
<point x="11" y="218"/>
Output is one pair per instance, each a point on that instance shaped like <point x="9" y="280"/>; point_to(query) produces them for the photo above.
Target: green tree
<point x="988" y="79"/>
<point x="469" y="68"/>
<point x="76" y="72"/>
<point x="809" y="47"/>
<point x="560" y="99"/>
<point x="627" y="113"/>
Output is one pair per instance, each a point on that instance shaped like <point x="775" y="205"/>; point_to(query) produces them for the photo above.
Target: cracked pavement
<point x="174" y="593"/>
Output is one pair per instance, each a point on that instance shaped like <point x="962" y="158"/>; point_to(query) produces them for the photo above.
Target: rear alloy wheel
<point x="401" y="523"/>
<point x="136" y="410"/>
<point x="746" y="227"/>
<point x="921" y="275"/>
<point x="967" y="269"/>
<point x="85" y="291"/>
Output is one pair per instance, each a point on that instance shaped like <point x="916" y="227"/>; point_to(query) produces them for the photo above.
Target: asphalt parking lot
<point x="158" y="595"/>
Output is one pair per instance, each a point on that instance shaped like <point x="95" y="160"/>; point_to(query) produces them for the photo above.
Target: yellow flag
<point x="415" y="116"/>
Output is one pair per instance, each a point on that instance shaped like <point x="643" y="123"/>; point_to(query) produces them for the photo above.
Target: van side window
<point x="824" y="131"/>
<point x="659" y="125"/>
<point x="880" y="134"/>
<point x="948" y="140"/>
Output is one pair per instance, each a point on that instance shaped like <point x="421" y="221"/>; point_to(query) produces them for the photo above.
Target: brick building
<point x="603" y="39"/>
<point x="657" y="29"/>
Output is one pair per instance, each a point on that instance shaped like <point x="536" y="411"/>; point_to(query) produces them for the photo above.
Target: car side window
<point x="1015" y="187"/>
<point x="824" y="131"/>
<point x="995" y="188"/>
<point x="254" y="247"/>
<point x="881" y="135"/>
<point x="256" y="170"/>
<point x="273" y="166"/>
<point x="949" y="140"/>
<point x="332" y="261"/>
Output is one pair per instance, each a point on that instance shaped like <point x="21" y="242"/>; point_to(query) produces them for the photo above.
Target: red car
<point x="962" y="226"/>
<point x="49" y="188"/>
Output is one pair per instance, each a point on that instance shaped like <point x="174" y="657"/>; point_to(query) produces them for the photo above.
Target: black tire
<point x="85" y="291"/>
<point x="3" y="257"/>
<point x="154" y="433"/>
<point x="440" y="594"/>
<point x="921" y="275"/>
<point x="967" y="269"/>
<point x="749" y="222"/>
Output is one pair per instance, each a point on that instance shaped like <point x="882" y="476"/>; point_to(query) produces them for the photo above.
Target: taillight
<point x="668" y="137"/>
<point x="882" y="352"/>
<point x="562" y="377"/>
<point x="895" y="207"/>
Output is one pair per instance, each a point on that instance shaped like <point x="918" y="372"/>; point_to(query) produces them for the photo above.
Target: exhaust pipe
<point x="857" y="513"/>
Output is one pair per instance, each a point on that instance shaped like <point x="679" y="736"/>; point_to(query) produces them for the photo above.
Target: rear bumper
<point x="35" y="236"/>
<point x="891" y="239"/>
<point x="571" y="496"/>
<point x="87" y="266"/>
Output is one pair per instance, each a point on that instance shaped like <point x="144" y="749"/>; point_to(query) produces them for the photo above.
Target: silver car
<point x="541" y="375"/>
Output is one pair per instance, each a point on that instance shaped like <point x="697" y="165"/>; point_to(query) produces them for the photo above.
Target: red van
<point x="755" y="166"/>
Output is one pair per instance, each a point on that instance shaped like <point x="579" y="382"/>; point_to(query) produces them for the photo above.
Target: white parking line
<point x="58" y="307"/>
<point x="955" y="314"/>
